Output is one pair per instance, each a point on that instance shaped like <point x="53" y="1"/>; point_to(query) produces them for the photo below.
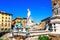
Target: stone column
<point x="53" y="27"/>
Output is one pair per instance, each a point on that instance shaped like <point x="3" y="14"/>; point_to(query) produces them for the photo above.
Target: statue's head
<point x="28" y="9"/>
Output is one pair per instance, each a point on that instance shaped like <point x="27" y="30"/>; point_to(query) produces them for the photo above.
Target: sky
<point x="40" y="9"/>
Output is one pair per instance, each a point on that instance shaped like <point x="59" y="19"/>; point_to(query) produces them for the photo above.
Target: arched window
<point x="54" y="27"/>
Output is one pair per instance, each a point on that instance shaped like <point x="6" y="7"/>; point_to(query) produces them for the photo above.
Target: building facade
<point x="17" y="20"/>
<point x="55" y="19"/>
<point x="47" y="21"/>
<point x="54" y="22"/>
<point x="5" y="21"/>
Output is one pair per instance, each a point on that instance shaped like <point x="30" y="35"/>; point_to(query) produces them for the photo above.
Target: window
<point x="5" y="28"/>
<point x="2" y="20"/>
<point x="9" y="24"/>
<point x="54" y="27"/>
<point x="2" y="29"/>
<point x="2" y="24"/>
<point x="9" y="17"/>
<point x="6" y="17"/>
<point x="2" y="17"/>
<point x="5" y="24"/>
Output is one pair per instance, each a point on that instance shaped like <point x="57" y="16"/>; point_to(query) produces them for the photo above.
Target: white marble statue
<point x="29" y="13"/>
<point x="28" y="18"/>
<point x="55" y="8"/>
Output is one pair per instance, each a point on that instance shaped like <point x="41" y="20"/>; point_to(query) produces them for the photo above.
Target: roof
<point x="1" y="12"/>
<point x="55" y="17"/>
<point x="46" y="19"/>
<point x="19" y="18"/>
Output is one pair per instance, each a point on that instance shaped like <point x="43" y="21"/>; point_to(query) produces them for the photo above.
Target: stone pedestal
<point x="53" y="27"/>
<point x="57" y="28"/>
<point x="55" y="21"/>
<point x="24" y="29"/>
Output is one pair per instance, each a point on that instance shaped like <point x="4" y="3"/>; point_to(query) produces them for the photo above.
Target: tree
<point x="43" y="38"/>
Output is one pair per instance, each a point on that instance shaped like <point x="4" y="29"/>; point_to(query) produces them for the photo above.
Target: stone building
<point x="5" y="20"/>
<point x="55" y="18"/>
<point x="17" y="19"/>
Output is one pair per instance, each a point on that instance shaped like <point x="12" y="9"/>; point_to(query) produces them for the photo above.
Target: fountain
<point x="29" y="22"/>
<point x="19" y="26"/>
<point x="28" y="31"/>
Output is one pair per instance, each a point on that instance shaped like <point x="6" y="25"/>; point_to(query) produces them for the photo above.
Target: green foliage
<point x="4" y="39"/>
<point x="43" y="38"/>
<point x="1" y="39"/>
<point x="5" y="31"/>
